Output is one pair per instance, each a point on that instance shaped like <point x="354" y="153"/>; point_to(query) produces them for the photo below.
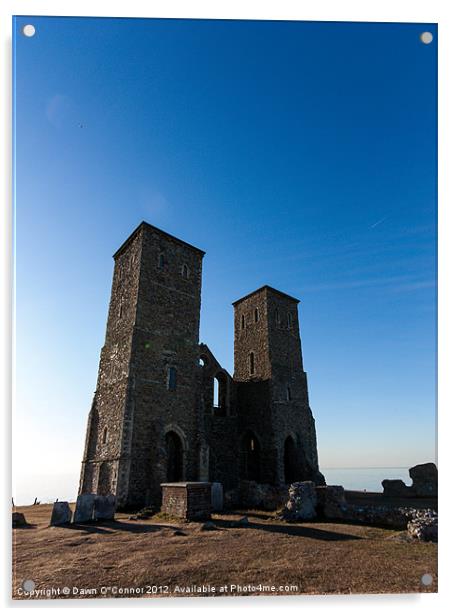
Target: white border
<point x="330" y="10"/>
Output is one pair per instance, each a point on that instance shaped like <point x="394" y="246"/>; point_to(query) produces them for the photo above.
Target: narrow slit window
<point x="277" y="317"/>
<point x="243" y="323"/>
<point x="256" y="315"/>
<point x="289" y="320"/>
<point x="171" y="378"/>
<point x="161" y="261"/>
<point x="185" y="271"/>
<point x="288" y="393"/>
<point x="251" y="363"/>
<point x="105" y="436"/>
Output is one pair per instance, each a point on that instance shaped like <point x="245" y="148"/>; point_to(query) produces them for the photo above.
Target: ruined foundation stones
<point x="61" y="513"/>
<point x="188" y="500"/>
<point x="302" y="502"/>
<point x="424" y="527"/>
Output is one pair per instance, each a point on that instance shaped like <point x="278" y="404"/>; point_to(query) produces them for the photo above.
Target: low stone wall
<point x="187" y="500"/>
<point x="425" y="483"/>
<point x="308" y="502"/>
<point x="253" y="495"/>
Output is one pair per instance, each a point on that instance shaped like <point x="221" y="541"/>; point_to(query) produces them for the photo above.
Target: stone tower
<point x="142" y="425"/>
<point x="278" y="438"/>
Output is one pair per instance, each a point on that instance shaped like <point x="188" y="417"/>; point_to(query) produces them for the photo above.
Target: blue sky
<point x="297" y="154"/>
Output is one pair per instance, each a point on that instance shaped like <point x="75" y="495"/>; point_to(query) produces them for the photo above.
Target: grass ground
<point x="155" y="557"/>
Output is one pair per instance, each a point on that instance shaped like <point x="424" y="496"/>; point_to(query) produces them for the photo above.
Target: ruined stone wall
<point x="153" y="419"/>
<point x="217" y="423"/>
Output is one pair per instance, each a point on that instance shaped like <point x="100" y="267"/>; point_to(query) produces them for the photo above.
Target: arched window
<point x="256" y="315"/>
<point x="220" y="393"/>
<point x="203" y="361"/>
<point x="185" y="271"/>
<point x="105" y="436"/>
<point x="161" y="261"/>
<point x="171" y="378"/>
<point x="251" y="363"/>
<point x="250" y="457"/>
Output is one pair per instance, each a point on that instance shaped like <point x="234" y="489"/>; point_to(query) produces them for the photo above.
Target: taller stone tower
<point x="142" y="425"/>
<point x="278" y="437"/>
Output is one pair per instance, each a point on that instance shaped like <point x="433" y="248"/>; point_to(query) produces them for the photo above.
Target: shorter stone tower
<point x="278" y="437"/>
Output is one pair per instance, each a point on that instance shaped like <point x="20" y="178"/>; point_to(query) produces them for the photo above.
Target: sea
<point x="368" y="479"/>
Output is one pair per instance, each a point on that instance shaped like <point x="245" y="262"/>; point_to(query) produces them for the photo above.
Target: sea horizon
<point x="368" y="478"/>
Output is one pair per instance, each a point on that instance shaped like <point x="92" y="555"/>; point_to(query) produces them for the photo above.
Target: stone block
<point x="331" y="501"/>
<point x="396" y="487"/>
<point x="18" y="519"/>
<point x="61" y="513"/>
<point x="217" y="496"/>
<point x="302" y="502"/>
<point x="425" y="479"/>
<point x="104" y="507"/>
<point x="189" y="500"/>
<point x="84" y="511"/>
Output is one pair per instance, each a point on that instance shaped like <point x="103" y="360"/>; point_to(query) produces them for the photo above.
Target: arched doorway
<point x="174" y="457"/>
<point x="291" y="467"/>
<point x="250" y="457"/>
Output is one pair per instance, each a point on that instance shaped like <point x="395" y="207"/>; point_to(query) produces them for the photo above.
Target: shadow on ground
<point x="291" y="530"/>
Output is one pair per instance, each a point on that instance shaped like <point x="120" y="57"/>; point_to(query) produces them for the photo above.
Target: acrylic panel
<point x="225" y="278"/>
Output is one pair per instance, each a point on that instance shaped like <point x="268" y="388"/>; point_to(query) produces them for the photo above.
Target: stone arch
<point x="176" y="453"/>
<point x="250" y="453"/>
<point x="292" y="465"/>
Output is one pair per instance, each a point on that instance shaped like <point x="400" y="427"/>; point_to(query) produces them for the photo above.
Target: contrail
<point x="378" y="222"/>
